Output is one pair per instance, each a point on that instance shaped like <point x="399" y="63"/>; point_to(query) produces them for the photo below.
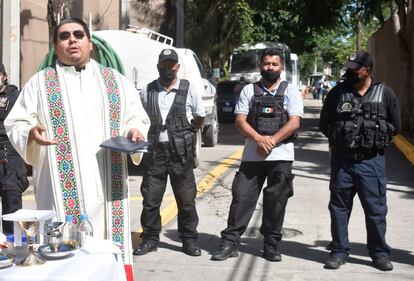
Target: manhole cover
<point x="254" y="232"/>
<point x="290" y="233"/>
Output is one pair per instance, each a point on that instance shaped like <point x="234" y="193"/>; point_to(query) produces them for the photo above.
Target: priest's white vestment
<point x="81" y="109"/>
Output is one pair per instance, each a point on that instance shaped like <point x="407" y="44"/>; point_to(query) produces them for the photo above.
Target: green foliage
<point x="333" y="45"/>
<point x="215" y="28"/>
<point x="325" y="29"/>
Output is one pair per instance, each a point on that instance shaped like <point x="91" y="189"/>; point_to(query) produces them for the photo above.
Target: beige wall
<point x="105" y="15"/>
<point x="34" y="37"/>
<point x="391" y="66"/>
<point x="34" y="34"/>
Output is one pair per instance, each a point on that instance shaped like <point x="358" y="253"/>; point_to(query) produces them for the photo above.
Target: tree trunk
<point x="359" y="34"/>
<point x="51" y="21"/>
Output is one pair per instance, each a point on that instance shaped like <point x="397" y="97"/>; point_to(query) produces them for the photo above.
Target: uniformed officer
<point x="12" y="167"/>
<point x="267" y="113"/>
<point x="176" y="112"/>
<point x="360" y="117"/>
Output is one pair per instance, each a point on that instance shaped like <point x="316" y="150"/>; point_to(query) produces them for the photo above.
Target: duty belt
<point x="358" y="155"/>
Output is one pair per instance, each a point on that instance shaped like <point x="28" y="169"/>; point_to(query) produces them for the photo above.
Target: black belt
<point x="164" y="145"/>
<point x="358" y="155"/>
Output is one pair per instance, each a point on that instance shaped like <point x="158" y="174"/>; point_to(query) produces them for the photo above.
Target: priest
<point x="57" y="124"/>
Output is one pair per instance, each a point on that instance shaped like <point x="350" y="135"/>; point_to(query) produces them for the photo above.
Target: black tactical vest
<point x="268" y="114"/>
<point x="181" y="134"/>
<point x="7" y="99"/>
<point x="361" y="124"/>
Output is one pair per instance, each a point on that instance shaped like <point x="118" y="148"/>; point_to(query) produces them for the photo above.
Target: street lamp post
<point x="180" y="24"/>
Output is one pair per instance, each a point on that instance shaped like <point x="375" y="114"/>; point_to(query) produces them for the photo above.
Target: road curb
<point x="405" y="146"/>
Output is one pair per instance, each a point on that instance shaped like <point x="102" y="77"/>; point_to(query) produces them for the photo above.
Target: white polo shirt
<point x="194" y="103"/>
<point x="293" y="104"/>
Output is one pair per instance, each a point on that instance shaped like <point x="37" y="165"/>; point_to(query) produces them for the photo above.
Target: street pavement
<point x="306" y="227"/>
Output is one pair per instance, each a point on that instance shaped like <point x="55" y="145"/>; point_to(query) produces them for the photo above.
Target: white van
<point x="209" y="96"/>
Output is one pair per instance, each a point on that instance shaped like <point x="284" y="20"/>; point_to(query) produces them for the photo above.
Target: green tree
<point x="215" y="28"/>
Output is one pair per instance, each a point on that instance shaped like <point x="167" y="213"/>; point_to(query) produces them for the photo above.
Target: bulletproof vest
<point x="6" y="104"/>
<point x="268" y="114"/>
<point x="362" y="123"/>
<point x="181" y="133"/>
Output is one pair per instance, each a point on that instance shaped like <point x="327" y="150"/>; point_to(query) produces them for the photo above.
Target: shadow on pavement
<point x="359" y="249"/>
<point x="253" y="246"/>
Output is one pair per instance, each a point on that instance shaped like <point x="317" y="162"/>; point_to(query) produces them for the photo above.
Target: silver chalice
<point x="31" y="228"/>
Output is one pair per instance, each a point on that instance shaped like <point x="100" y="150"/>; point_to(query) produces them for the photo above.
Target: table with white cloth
<point x="80" y="267"/>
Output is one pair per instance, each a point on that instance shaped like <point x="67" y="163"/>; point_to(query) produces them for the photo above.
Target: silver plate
<point x="6" y="261"/>
<point x="63" y="253"/>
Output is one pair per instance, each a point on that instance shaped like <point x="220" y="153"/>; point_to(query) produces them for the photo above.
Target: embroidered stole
<point x="64" y="160"/>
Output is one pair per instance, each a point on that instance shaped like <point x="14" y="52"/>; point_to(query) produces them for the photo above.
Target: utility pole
<point x="179" y="39"/>
<point x="124" y="20"/>
<point x="11" y="40"/>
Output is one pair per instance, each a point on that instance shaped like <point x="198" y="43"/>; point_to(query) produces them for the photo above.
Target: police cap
<point x="167" y="54"/>
<point x="358" y="59"/>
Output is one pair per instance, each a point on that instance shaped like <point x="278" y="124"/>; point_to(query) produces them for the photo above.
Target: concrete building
<point x="25" y="28"/>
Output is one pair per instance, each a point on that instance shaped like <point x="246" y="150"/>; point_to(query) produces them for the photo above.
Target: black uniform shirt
<point x="329" y="113"/>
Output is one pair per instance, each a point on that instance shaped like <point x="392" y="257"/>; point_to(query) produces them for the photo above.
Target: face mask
<point x="351" y="77"/>
<point x="2" y="82"/>
<point x="269" y="75"/>
<point x="166" y="75"/>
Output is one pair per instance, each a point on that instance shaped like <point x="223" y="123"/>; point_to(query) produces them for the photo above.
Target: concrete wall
<point x="150" y="15"/>
<point x="391" y="65"/>
<point x="106" y="14"/>
<point x="34" y="37"/>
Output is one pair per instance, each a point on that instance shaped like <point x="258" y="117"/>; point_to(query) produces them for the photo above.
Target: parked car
<point x="226" y="99"/>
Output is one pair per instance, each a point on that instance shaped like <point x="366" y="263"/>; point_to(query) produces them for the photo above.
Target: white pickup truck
<point x="138" y="50"/>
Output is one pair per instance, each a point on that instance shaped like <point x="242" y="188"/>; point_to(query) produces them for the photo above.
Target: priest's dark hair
<point x="71" y="20"/>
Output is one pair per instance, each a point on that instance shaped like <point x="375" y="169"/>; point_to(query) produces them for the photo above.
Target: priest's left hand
<point x="135" y="135"/>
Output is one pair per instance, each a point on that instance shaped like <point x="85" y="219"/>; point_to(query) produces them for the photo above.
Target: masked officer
<point x="360" y="117"/>
<point x="268" y="113"/>
<point x="176" y="113"/>
<point x="12" y="167"/>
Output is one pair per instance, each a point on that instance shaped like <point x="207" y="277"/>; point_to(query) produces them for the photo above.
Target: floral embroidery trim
<point x="64" y="154"/>
<point x="117" y="195"/>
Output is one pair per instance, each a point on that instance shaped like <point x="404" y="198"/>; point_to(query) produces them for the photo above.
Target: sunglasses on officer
<point x="65" y="35"/>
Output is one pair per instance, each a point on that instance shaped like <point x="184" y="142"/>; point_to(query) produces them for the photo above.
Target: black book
<point x="123" y="144"/>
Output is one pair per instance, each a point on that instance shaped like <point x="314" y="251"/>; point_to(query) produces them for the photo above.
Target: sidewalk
<point x="306" y="227"/>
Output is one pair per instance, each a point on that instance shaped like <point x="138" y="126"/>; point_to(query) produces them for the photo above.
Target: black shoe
<point x="226" y="251"/>
<point x="271" y="253"/>
<point x="382" y="263"/>
<point x="190" y="247"/>
<point x="334" y="262"/>
<point x="146" y="247"/>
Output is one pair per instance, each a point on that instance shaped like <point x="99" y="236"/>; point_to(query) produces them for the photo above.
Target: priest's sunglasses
<point x="65" y="35"/>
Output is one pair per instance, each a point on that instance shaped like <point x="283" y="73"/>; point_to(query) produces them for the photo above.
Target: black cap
<point x="167" y="54"/>
<point x="358" y="59"/>
<point x="2" y="69"/>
